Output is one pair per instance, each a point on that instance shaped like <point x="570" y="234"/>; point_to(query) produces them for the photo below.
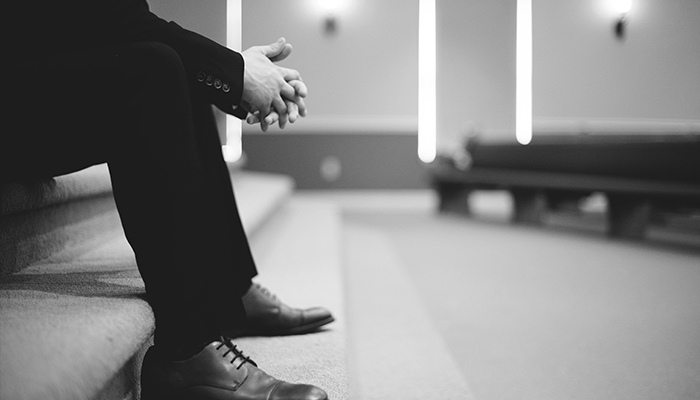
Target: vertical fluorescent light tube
<point x="427" y="81"/>
<point x="523" y="85"/>
<point x="233" y="149"/>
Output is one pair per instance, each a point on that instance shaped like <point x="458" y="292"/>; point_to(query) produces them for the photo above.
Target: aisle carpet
<point x="552" y="313"/>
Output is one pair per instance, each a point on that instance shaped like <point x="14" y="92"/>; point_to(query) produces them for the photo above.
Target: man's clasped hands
<point x="271" y="93"/>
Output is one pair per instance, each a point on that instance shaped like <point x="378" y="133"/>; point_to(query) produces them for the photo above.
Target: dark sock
<point x="181" y="351"/>
<point x="184" y="353"/>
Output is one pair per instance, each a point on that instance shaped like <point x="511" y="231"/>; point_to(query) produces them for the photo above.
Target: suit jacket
<point x="39" y="28"/>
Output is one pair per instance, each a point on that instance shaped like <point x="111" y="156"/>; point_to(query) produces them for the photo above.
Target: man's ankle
<point x="184" y="353"/>
<point x="184" y="350"/>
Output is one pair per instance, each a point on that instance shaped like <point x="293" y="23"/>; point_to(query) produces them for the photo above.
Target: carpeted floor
<point x="552" y="313"/>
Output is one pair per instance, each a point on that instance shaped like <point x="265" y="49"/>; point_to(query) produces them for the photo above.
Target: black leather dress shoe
<point x="219" y="372"/>
<point x="268" y="316"/>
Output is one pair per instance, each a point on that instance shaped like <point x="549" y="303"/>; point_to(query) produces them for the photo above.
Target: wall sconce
<point x="622" y="7"/>
<point x="330" y="8"/>
<point x="330" y="24"/>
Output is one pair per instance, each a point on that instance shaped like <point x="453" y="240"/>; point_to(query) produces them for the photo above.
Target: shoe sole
<point x="297" y="330"/>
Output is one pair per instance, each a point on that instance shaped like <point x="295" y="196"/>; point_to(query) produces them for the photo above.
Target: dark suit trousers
<point x="131" y="106"/>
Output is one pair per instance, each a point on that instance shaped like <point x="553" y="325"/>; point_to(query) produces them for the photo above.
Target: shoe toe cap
<point x="316" y="314"/>
<point x="288" y="391"/>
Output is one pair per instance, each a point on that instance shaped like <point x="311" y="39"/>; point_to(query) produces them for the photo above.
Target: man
<point x="87" y="82"/>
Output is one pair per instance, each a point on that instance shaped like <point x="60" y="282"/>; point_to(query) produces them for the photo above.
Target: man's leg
<point x="178" y="208"/>
<point x="266" y="314"/>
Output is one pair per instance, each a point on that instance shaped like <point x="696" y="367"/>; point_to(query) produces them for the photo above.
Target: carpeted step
<point x="74" y="324"/>
<point x="298" y="257"/>
<point x="395" y="351"/>
<point x="259" y="195"/>
<point x="40" y="218"/>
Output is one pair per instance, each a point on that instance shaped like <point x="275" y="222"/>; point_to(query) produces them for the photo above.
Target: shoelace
<point x="237" y="354"/>
<point x="265" y="291"/>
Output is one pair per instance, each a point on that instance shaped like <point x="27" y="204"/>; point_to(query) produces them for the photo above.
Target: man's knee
<point x="159" y="61"/>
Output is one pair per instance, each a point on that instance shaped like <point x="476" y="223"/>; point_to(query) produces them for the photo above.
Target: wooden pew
<point x="639" y="174"/>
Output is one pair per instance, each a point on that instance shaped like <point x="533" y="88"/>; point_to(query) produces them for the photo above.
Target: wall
<point x="363" y="81"/>
<point x="476" y="69"/>
<point x="583" y="73"/>
<point x="363" y="94"/>
<point x="207" y="17"/>
<point x="340" y="161"/>
<point x="584" y="78"/>
<point x="368" y="68"/>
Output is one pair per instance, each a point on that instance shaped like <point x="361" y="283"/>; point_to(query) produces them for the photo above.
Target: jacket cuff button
<point x="226" y="88"/>
<point x="201" y="76"/>
<point x="209" y="81"/>
<point x="217" y="84"/>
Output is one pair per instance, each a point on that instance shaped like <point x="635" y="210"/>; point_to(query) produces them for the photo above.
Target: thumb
<point x="284" y="53"/>
<point x="274" y="49"/>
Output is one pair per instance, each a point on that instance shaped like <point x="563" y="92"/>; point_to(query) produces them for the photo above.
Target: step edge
<point x="25" y="197"/>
